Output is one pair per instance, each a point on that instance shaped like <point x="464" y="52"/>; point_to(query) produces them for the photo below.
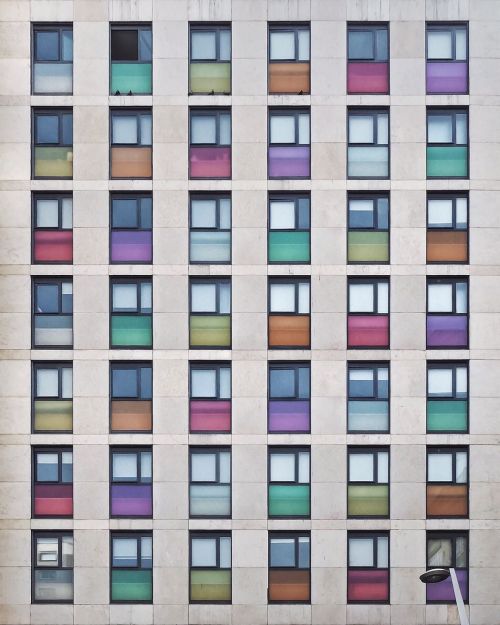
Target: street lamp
<point x="432" y="576"/>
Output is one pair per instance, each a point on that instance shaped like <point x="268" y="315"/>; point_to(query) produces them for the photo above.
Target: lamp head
<point x="432" y="576"/>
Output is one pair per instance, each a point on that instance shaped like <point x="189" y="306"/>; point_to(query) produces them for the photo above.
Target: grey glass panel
<point x="47" y="467"/>
<point x="125" y="383"/>
<point x="282" y="552"/>
<point x="304" y="553"/>
<point x="47" y="298"/>
<point x="124" y="213"/>
<point x="47" y="129"/>
<point x="145" y="45"/>
<point x="304" y="391"/>
<point x="146" y="382"/>
<point x="282" y="383"/>
<point x="47" y="46"/>
<point x="67" y="467"/>
<point x="361" y="45"/>
<point x="67" y="45"/>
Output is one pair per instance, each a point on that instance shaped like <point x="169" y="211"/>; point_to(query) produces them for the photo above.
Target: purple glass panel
<point x="290" y="162"/>
<point x="131" y="500"/>
<point x="368" y="585"/>
<point x="447" y="77"/>
<point x="447" y="331"/>
<point x="210" y="162"/>
<point x="367" y="77"/>
<point x="289" y="416"/>
<point x="443" y="591"/>
<point x="131" y="246"/>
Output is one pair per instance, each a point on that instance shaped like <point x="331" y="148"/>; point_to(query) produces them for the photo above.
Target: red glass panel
<point x="368" y="585"/>
<point x="367" y="77"/>
<point x="53" y="500"/>
<point x="205" y="162"/>
<point x="54" y="246"/>
<point x="210" y="416"/>
<point x="368" y="331"/>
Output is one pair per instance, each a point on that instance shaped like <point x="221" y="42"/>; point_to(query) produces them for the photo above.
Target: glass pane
<point x="304" y="382"/>
<point x="383" y="382"/>
<point x="146" y="382"/>
<point x="203" y="213"/>
<point x="360" y="45"/>
<point x="225" y="383"/>
<point x="304" y="552"/>
<point x="204" y="298"/>
<point x="361" y="129"/>
<point x="282" y="129"/>
<point x="304" y="129"/>
<point x="282" y="552"/>
<point x="439" y="44"/>
<point x="225" y="552"/>
<point x="146" y="129"/>
<point x="383" y="467"/>
<point x="282" y="383"/>
<point x="67" y="467"/>
<point x="282" y="46"/>
<point x="47" y="46"/>
<point x="361" y="213"/>
<point x="47" y="213"/>
<point x="124" y="129"/>
<point x="146" y="466"/>
<point x="381" y="45"/>
<point x="224" y="299"/>
<point x="67" y="382"/>
<point x="47" y="383"/>
<point x="282" y="215"/>
<point x="124" y="297"/>
<point x="439" y="552"/>
<point x="145" y="45"/>
<point x="203" y="46"/>
<point x="440" y="297"/>
<point x="461" y="129"/>
<point x="282" y="468"/>
<point x="304" y="213"/>
<point x="67" y="297"/>
<point x="124" y="45"/>
<point x="461" y="467"/>
<point x="225" y="129"/>
<point x="440" y="382"/>
<point x="440" y="213"/>
<point x="67" y="213"/>
<point x="146" y="297"/>
<point x="203" y="467"/>
<point x="361" y="298"/>
<point x="224" y="467"/>
<point x="461" y="381"/>
<point x="440" y="467"/>
<point x="225" y="213"/>
<point x="47" y="129"/>
<point x="382" y="552"/>
<point x="203" y="552"/>
<point x="282" y="298"/>
<point x="383" y="298"/>
<point x="304" y="467"/>
<point x="303" y="298"/>
<point x="461" y="295"/>
<point x="146" y="552"/>
<point x="361" y="468"/>
<point x="203" y="383"/>
<point x="47" y="467"/>
<point x="361" y="383"/>
<point x="125" y="383"/>
<point x="203" y="129"/>
<point x="47" y="551"/>
<point x="146" y="211"/>
<point x="124" y="213"/>
<point x="67" y="129"/>
<point x="461" y="44"/>
<point x="47" y="298"/>
<point x="382" y="130"/>
<point x="383" y="212"/>
<point x="461" y="212"/>
<point x="440" y="129"/>
<point x="225" y="45"/>
<point x="67" y="551"/>
<point x="303" y="45"/>
<point x="461" y="552"/>
<point x="124" y="467"/>
<point x="124" y="552"/>
<point x="361" y="552"/>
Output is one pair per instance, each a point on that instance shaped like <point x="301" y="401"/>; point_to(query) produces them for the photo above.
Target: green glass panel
<point x="131" y="331"/>
<point x="368" y="247"/>
<point x="369" y="415"/>
<point x="131" y="585"/>
<point x="53" y="415"/>
<point x="447" y="161"/>
<point x="368" y="500"/>
<point x="289" y="500"/>
<point x="135" y="77"/>
<point x="211" y="585"/>
<point x="54" y="162"/>
<point x="447" y="416"/>
<point x="210" y="330"/>
<point x="208" y="77"/>
<point x="289" y="247"/>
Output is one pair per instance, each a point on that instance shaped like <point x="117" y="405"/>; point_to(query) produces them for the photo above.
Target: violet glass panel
<point x="131" y="500"/>
<point x="210" y="416"/>
<point x="368" y="585"/>
<point x="290" y="162"/>
<point x="289" y="416"/>
<point x="443" y="591"/>
<point x="210" y="162"/>
<point x="368" y="331"/>
<point x="447" y="77"/>
<point x="131" y="246"/>
<point x="447" y="331"/>
<point x="367" y="77"/>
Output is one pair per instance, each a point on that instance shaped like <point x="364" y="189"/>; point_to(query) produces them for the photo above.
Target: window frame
<point x="59" y="534"/>
<point x="137" y="281"/>
<point x="451" y="27"/>
<point x="374" y="536"/>
<point x="369" y="27"/>
<point x="274" y="365"/>
<point x="358" y="111"/>
<point x="50" y="280"/>
<point x="48" y="364"/>
<point x="295" y="535"/>
<point x="448" y="535"/>
<point x="138" y="26"/>
<point x="447" y="280"/>
<point x="210" y="450"/>
<point x="375" y="197"/>
<point x="295" y="196"/>
<point x="212" y="196"/>
<point x="453" y="365"/>
<point x="138" y="535"/>
<point x="211" y="111"/>
<point x="137" y="197"/>
<point x="47" y="449"/>
<point x="273" y="450"/>
<point x="137" y="450"/>
<point x="295" y="112"/>
<point x="59" y="111"/>
<point x="450" y="111"/>
<point x="374" y="366"/>
<point x="372" y="282"/>
<point x="374" y="450"/>
<point x="217" y="281"/>
<point x="217" y="535"/>
<point x="59" y="197"/>
<point x="295" y="281"/>
<point x="199" y="365"/>
<point x="436" y="195"/>
<point x="447" y="450"/>
<point x="136" y="112"/>
<point x="136" y="365"/>
<point x="210" y="27"/>
<point x="59" y="28"/>
<point x="288" y="27"/>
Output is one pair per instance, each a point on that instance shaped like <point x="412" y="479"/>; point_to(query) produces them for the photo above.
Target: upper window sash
<point x="367" y="43"/>
<point x="289" y="43"/>
<point x="288" y="127"/>
<point x="143" y="468"/>
<point x="446" y="212"/>
<point x="209" y="43"/>
<point x="368" y="465"/>
<point x="367" y="550"/>
<point x="447" y="127"/>
<point x="131" y="128"/>
<point x="222" y="551"/>
<point x="446" y="43"/>
<point x="447" y="296"/>
<point x="131" y="212"/>
<point x="63" y="305"/>
<point x="301" y="374"/>
<point x="64" y="459"/>
<point x="50" y="51"/>
<point x="217" y="377"/>
<point x="299" y="552"/>
<point x="52" y="212"/>
<point x="447" y="381"/>
<point x="63" y="378"/>
<point x="140" y="558"/>
<point x="288" y="213"/>
<point x="289" y="297"/>
<point x="220" y="297"/>
<point x="55" y="132"/>
<point x="220" y="457"/>
<point x="366" y="381"/>
<point x="376" y="294"/>
<point x="142" y="304"/>
<point x="367" y="212"/>
<point x="295" y="462"/>
<point x="447" y="465"/>
<point x="61" y="560"/>
<point x="143" y="381"/>
<point x="215" y="131"/>
<point x="210" y="213"/>
<point x="368" y="128"/>
<point x="121" y="50"/>
<point x="458" y="551"/>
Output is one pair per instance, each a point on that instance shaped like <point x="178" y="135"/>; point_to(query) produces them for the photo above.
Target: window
<point x="131" y="48"/>
<point x="210" y="313"/>
<point x="210" y="567"/>
<point x="368" y="397"/>
<point x="52" y="228"/>
<point x="367" y="58"/>
<point x="131" y="567"/>
<point x="368" y="143"/>
<point x="52" y="143"/>
<point x="131" y="236"/>
<point x="447" y="313"/>
<point x="368" y="487"/>
<point x="52" y="397"/>
<point x="289" y="143"/>
<point x="289" y="408"/>
<point x="447" y="228"/>
<point x="289" y="313"/>
<point x="52" y="65"/>
<point x="289" y="53"/>
<point x="447" y="143"/>
<point x="210" y="143"/>
<point x="52" y="312"/>
<point x="131" y="312"/>
<point x="368" y="228"/>
<point x="210" y="397"/>
<point x="289" y="236"/>
<point x="52" y="482"/>
<point x="131" y="482"/>
<point x="447" y="482"/>
<point x="447" y="58"/>
<point x="131" y="137"/>
<point x="131" y="397"/>
<point x="210" y="59"/>
<point x="447" y="397"/>
<point x="210" y="228"/>
<point x="368" y="313"/>
<point x="52" y="567"/>
<point x="448" y="550"/>
<point x="368" y="567"/>
<point x="210" y="482"/>
<point x="289" y="493"/>
<point x="289" y="567"/>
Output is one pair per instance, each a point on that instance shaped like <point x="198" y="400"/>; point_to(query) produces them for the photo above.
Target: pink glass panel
<point x="290" y="162"/>
<point x="367" y="585"/>
<point x="53" y="500"/>
<point x="447" y="77"/>
<point x="289" y="416"/>
<point x="210" y="416"/>
<point x="367" y="77"/>
<point x="210" y="162"/>
<point x="447" y="331"/>
<point x="131" y="246"/>
<point x="368" y="331"/>
<point x="53" y="246"/>
<point x="443" y="591"/>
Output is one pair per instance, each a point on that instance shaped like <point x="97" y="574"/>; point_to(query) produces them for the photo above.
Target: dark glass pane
<point x="303" y="553"/>
<point x="47" y="129"/>
<point x="360" y="45"/>
<point x="146" y="212"/>
<point x="125" y="383"/>
<point x="282" y="383"/>
<point x="67" y="298"/>
<point x="67" y="471"/>
<point x="124" y="213"/>
<point x="381" y="37"/>
<point x="383" y="384"/>
<point x="124" y="45"/>
<point x="145" y="45"/>
<point x="67" y="40"/>
<point x="304" y="391"/>
<point x="47" y="298"/>
<point x="67" y="129"/>
<point x="282" y="552"/>
<point x="383" y="213"/>
<point x="146" y="383"/>
<point x="47" y="46"/>
<point x="304" y="213"/>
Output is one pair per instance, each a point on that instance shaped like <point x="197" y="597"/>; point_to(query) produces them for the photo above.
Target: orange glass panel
<point x="131" y="163"/>
<point x="131" y="416"/>
<point x="446" y="246"/>
<point x="289" y="77"/>
<point x="447" y="500"/>
<point x="290" y="585"/>
<point x="289" y="331"/>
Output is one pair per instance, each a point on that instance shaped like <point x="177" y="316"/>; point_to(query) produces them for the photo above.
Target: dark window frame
<point x="374" y="536"/>
<point x="136" y="112"/>
<point x="211" y="111"/>
<point x="59" y="28"/>
<point x="138" y="535"/>
<point x="137" y="197"/>
<point x="217" y="535"/>
<point x="451" y="27"/>
<point x="274" y="450"/>
<point x="137" y="281"/>
<point x="217" y="281"/>
<point x="295" y="281"/>
<point x="59" y="196"/>
<point x="294" y="112"/>
<point x="453" y="365"/>
<point x="374" y="112"/>
<point x="210" y="451"/>
<point x="447" y="450"/>
<point x="372" y="282"/>
<point x="130" y="365"/>
<point x="437" y="111"/>
<point x="370" y="27"/>
<point x="212" y="196"/>
<point x="291" y="27"/>
<point x="138" y="26"/>
<point x="210" y="27"/>
<point x="137" y="450"/>
<point x="45" y="449"/>
<point x="274" y="365"/>
<point x="448" y="535"/>
<point x="59" y="534"/>
<point x="447" y="280"/>
<point x="352" y="365"/>
<point x="50" y="364"/>
<point x="295" y="535"/>
<point x="375" y="197"/>
<point x="37" y="112"/>
<point x="50" y="281"/>
<point x="197" y="365"/>
<point x="296" y="197"/>
<point x="459" y="195"/>
<point x="373" y="450"/>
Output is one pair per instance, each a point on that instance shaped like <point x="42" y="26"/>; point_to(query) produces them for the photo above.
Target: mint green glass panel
<point x="447" y="416"/>
<point x="135" y="77"/>
<point x="210" y="330"/>
<point x="368" y="500"/>
<point x="211" y="585"/>
<point x="289" y="500"/>
<point x="368" y="416"/>
<point x="368" y="247"/>
<point x="447" y="161"/>
<point x="208" y="77"/>
<point x="131" y="331"/>
<point x="131" y="585"/>
<point x="289" y="247"/>
<point x="54" y="162"/>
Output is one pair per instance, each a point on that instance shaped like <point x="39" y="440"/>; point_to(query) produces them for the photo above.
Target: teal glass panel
<point x="131" y="585"/>
<point x="368" y="416"/>
<point x="211" y="585"/>
<point x="447" y="161"/>
<point x="289" y="500"/>
<point x="135" y="77"/>
<point x="447" y="416"/>
<point x="131" y="331"/>
<point x="289" y="247"/>
<point x="368" y="247"/>
<point x="368" y="500"/>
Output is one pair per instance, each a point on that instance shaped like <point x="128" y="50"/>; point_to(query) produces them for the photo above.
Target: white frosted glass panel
<point x="47" y="383"/>
<point x="282" y="129"/>
<point x="382" y="552"/>
<point x="361" y="552"/>
<point x="303" y="298"/>
<point x="368" y="162"/>
<point x="440" y="212"/>
<point x="383" y="467"/>
<point x="47" y="551"/>
<point x="440" y="297"/>
<point x="47" y="213"/>
<point x="203" y="298"/>
<point x="440" y="468"/>
<point x="53" y="78"/>
<point x="203" y="214"/>
<point x="124" y="550"/>
<point x="439" y="44"/>
<point x="282" y="46"/>
<point x="124" y="466"/>
<point x="461" y="212"/>
<point x="203" y="552"/>
<point x="461" y="45"/>
<point x="225" y="552"/>
<point x="203" y="383"/>
<point x="225" y="383"/>
<point x="440" y="381"/>
<point x="203" y="129"/>
<point x="282" y="468"/>
<point x="303" y="45"/>
<point x="361" y="468"/>
<point x="383" y="297"/>
<point x="440" y="129"/>
<point x="304" y="129"/>
<point x="203" y="46"/>
<point x="282" y="298"/>
<point x="360" y="298"/>
<point x="282" y="215"/>
<point x="67" y="382"/>
<point x="67" y="213"/>
<point x="461" y="294"/>
<point x="304" y="468"/>
<point x="461" y="467"/>
<point x="124" y="129"/>
<point x="203" y="467"/>
<point x="361" y="129"/>
<point x="224" y="467"/>
<point x="383" y="130"/>
<point x="124" y="297"/>
<point x="146" y="297"/>
<point x="461" y="381"/>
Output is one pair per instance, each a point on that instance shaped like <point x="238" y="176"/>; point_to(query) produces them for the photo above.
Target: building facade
<point x="250" y="311"/>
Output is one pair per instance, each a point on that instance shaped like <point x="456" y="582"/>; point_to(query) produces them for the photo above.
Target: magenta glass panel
<point x="210" y="162"/>
<point x="131" y="500"/>
<point x="131" y="246"/>
<point x="53" y="246"/>
<point x="367" y="77"/>
<point x="210" y="416"/>
<point x="447" y="77"/>
<point x="443" y="591"/>
<point x="368" y="331"/>
<point x="53" y="499"/>
<point x="447" y="331"/>
<point x="368" y="585"/>
<point x="289" y="416"/>
<point x="290" y="162"/>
